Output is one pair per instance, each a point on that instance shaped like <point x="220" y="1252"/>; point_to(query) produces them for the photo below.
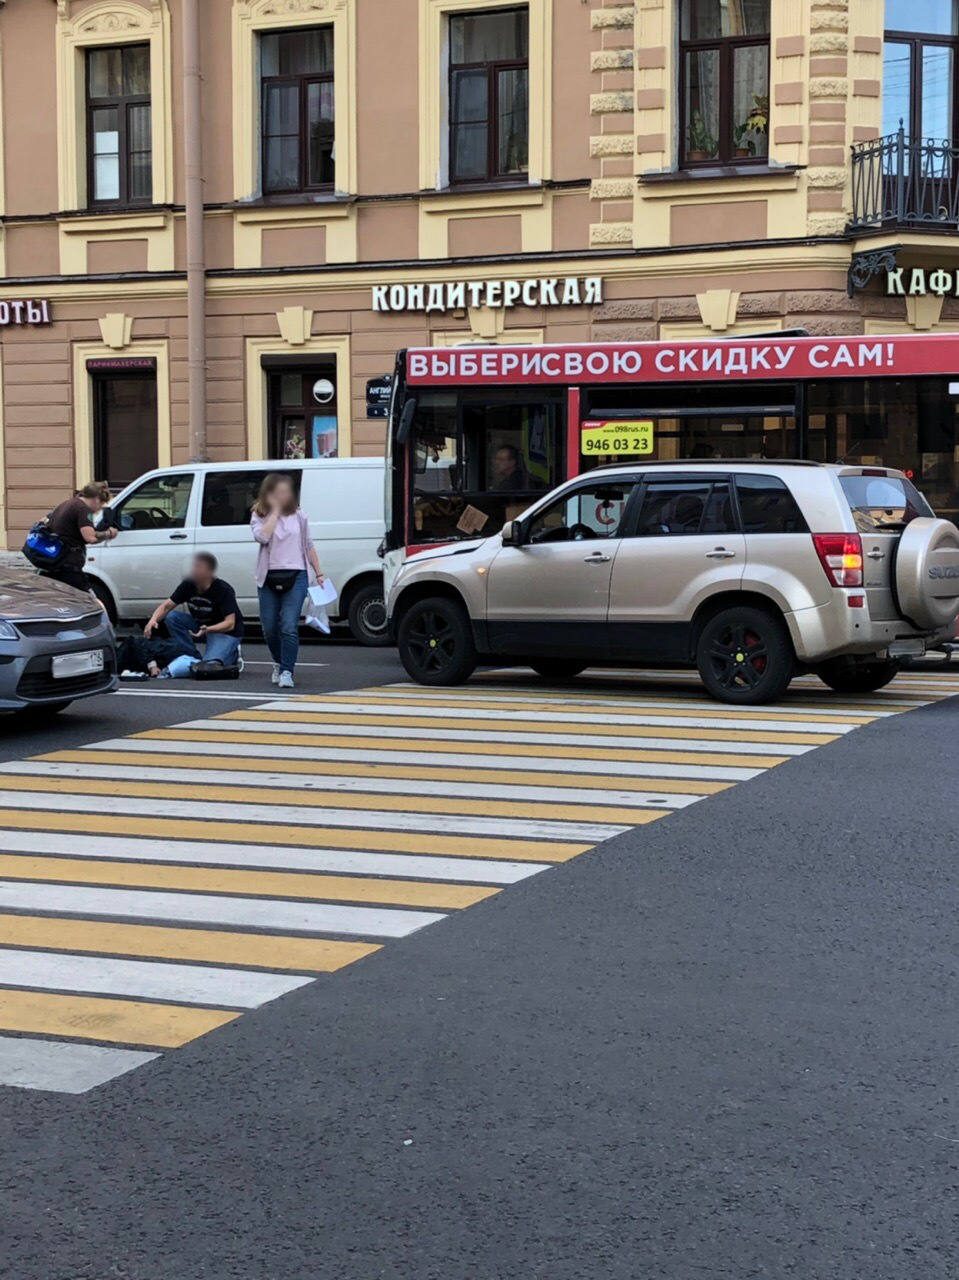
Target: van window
<point x="228" y="496"/>
<point x="767" y="506"/>
<point x="159" y="503"/>
<point x="883" y="502"/>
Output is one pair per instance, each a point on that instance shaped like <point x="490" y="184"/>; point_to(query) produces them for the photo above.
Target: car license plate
<point x="907" y="648"/>
<point x="77" y="664"/>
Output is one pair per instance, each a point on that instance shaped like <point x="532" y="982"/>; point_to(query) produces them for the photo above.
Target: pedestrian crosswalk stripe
<point x="330" y="774"/>
<point x="145" y="979"/>
<point x="131" y="1022"/>
<point x="465" y="739"/>
<point x="240" y="881"/>
<point x="234" y="789"/>
<point x="208" y="908"/>
<point x="328" y="790"/>
<point x="402" y="723"/>
<point x="253" y="951"/>
<point x="153" y="887"/>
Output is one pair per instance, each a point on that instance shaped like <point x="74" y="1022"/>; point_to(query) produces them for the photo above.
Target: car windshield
<point x="883" y="502"/>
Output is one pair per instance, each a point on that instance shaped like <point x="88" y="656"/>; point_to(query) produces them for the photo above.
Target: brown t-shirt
<point x="66" y="521"/>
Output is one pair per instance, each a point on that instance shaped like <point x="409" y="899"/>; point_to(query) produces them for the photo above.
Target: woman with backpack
<point x="71" y="525"/>
<point x="287" y="566"/>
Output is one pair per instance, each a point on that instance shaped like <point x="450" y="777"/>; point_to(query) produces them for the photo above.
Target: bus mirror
<point x="406" y="421"/>
<point x="512" y="534"/>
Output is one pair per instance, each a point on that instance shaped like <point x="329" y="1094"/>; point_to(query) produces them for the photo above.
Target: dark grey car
<point x="56" y="644"/>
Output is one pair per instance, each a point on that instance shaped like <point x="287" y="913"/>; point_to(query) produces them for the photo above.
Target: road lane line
<point x="130" y="1022"/>
<point x="210" y="946"/>
<point x="53" y="1066"/>
<point x="238" y="881"/>
<point x="204" y="908"/>
<point x="279" y="858"/>
<point x="202" y="756"/>
<point x="159" y="827"/>
<point x="144" y="979"/>
<point x="162" y="802"/>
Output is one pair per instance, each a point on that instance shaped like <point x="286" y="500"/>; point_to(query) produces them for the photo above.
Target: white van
<point x="167" y="515"/>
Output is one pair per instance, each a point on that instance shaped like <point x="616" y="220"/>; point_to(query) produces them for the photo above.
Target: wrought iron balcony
<point x="900" y="181"/>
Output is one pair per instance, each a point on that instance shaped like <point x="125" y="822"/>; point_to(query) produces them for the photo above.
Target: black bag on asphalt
<point x="215" y="670"/>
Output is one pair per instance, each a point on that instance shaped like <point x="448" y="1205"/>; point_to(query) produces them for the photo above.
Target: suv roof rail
<point x="712" y="462"/>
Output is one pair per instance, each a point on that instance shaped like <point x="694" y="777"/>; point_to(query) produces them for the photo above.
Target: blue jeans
<point x="219" y="647"/>
<point x="280" y="619"/>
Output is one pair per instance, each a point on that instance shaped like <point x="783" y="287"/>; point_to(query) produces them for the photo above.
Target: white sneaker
<point x="275" y="677"/>
<point x="286" y="680"/>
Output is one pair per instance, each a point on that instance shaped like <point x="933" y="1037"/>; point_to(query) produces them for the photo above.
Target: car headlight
<point x="7" y="632"/>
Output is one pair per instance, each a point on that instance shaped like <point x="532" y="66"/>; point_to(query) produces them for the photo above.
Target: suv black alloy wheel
<point x="436" y="642"/>
<point x="744" y="656"/>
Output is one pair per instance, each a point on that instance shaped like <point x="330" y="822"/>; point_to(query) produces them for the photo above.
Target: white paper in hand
<point x="324" y="595"/>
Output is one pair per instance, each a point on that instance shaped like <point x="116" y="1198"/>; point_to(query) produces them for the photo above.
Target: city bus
<point x="479" y="433"/>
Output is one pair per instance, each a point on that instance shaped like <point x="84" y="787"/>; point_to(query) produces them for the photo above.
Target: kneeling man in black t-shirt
<point x="214" y="617"/>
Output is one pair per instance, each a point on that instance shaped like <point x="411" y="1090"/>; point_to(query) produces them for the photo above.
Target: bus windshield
<point x="478" y="461"/>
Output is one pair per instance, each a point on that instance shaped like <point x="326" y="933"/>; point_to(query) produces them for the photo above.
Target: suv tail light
<point x="840" y="554"/>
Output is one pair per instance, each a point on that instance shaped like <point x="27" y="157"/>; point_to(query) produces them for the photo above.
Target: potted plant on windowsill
<point x="700" y="143"/>
<point x="742" y="147"/>
<point x="756" y="123"/>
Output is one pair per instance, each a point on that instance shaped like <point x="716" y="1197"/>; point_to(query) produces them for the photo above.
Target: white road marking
<point x="432" y="759"/>
<point x="514" y="737"/>
<point x="587" y="717"/>
<point x="137" y="692"/>
<point x="264" y="816"/>
<point x="58" y="1066"/>
<point x="271" y="857"/>
<point x="144" y="979"/>
<point x="214" y="909"/>
<point x="363" y="785"/>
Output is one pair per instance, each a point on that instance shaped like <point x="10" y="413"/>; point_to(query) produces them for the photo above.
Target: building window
<point x="119" y="125"/>
<point x="303" y="417"/>
<point x="489" y="95"/>
<point x="296" y="73"/>
<point x="724" y="86"/>
<point x="919" y="68"/>
<point x="124" y="426"/>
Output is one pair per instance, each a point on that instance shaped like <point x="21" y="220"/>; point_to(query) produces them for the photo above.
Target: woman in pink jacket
<point x="286" y="567"/>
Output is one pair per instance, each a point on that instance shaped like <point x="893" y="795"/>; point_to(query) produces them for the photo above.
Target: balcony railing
<point x="905" y="182"/>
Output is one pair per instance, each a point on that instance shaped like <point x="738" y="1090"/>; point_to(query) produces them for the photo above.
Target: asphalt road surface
<point x="721" y="1044"/>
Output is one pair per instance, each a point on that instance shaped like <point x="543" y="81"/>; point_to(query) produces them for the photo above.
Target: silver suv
<point x="750" y="571"/>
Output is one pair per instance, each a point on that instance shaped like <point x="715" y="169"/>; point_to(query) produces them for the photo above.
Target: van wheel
<point x="105" y="597"/>
<point x="558" y="668"/>
<point x="367" y="615"/>
<point x="436" y="642"/>
<point x="745" y="656"/>
<point x="857" y="677"/>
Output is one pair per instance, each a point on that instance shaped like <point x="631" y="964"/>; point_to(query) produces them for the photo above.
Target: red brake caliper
<point x="759" y="664"/>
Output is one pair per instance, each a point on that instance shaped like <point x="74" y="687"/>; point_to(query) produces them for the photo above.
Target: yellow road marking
<point x="630" y="708"/>
<point x="160" y="828"/>
<point x="478" y="726"/>
<point x="262" y="884"/>
<point x="650" y="755"/>
<point x="156" y="1026"/>
<point x="159" y="942"/>
<point x="370" y="772"/>
<point x="244" y="794"/>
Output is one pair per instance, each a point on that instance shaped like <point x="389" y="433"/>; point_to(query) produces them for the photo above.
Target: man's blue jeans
<point x="219" y="647"/>
<point x="280" y="619"/>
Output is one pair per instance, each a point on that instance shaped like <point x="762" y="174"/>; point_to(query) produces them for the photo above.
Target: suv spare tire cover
<point x="927" y="573"/>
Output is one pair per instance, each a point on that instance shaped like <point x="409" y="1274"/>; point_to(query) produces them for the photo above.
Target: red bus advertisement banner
<point x="909" y="355"/>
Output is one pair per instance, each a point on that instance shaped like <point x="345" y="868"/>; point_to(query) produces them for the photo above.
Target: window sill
<point x="714" y="173"/>
<point x="295" y="199"/>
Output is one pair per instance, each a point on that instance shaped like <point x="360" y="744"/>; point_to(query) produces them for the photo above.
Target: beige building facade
<point x="389" y="173"/>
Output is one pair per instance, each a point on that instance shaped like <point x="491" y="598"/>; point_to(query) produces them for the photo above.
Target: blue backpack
<point x="44" y="550"/>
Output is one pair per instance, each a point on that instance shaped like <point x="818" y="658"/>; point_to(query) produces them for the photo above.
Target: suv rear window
<point x="767" y="506"/>
<point x="883" y="502"/>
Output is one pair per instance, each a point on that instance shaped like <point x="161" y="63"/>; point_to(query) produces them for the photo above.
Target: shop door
<point x="303" y="413"/>
<point x="124" y="427"/>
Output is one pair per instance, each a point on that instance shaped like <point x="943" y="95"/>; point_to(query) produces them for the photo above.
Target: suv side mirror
<point x="513" y="534"/>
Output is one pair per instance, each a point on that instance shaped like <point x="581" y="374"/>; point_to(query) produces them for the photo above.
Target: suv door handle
<point x="179" y="537"/>
<point x="597" y="558"/>
<point x="720" y="554"/>
<point x="875" y="555"/>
